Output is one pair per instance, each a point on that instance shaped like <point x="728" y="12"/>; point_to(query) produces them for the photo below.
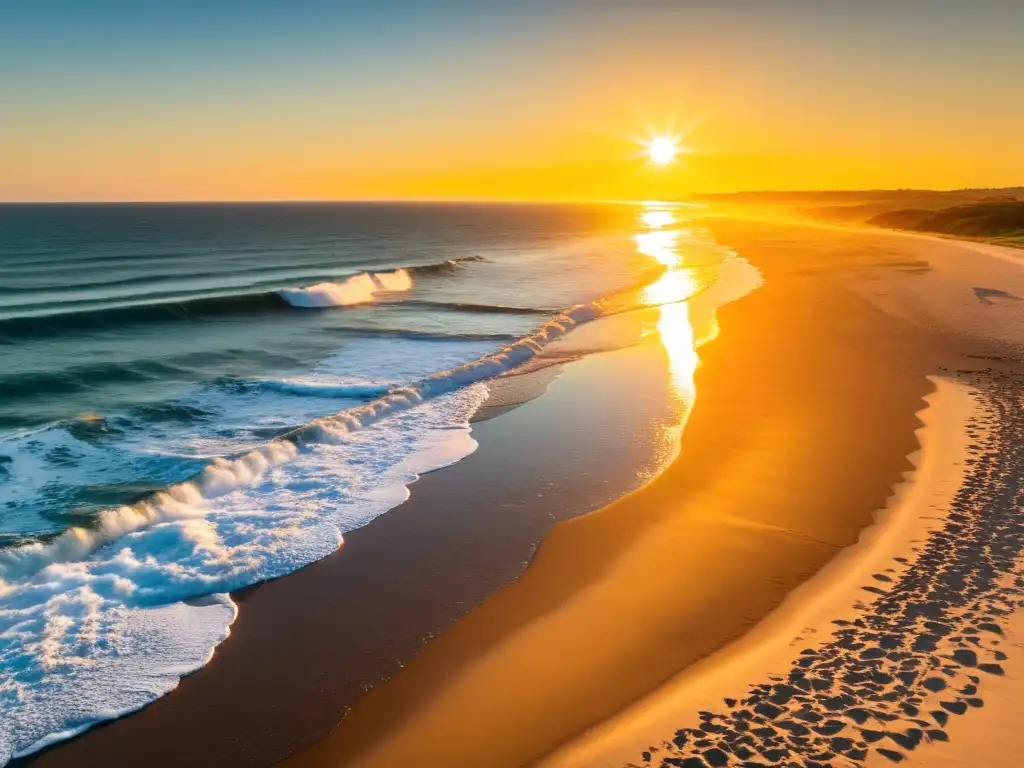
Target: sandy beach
<point x="618" y="601"/>
<point x="557" y="384"/>
<point x="813" y="419"/>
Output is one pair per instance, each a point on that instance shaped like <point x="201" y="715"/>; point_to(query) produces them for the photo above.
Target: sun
<point x="662" y="150"/>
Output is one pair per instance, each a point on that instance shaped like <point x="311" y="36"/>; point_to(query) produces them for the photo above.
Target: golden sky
<point x="530" y="101"/>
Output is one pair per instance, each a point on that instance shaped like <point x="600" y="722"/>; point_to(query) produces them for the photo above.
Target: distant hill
<point x="843" y="199"/>
<point x="861" y="211"/>
<point x="974" y="220"/>
<point x="1003" y="220"/>
<point x="995" y="215"/>
<point x="859" y="206"/>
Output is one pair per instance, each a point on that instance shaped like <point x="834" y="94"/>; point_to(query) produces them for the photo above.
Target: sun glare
<point x="662" y="150"/>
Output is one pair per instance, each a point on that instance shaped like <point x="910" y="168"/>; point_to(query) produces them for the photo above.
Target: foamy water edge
<point x="75" y="612"/>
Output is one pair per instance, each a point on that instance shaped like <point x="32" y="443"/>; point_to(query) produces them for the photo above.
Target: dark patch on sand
<point x="985" y="295"/>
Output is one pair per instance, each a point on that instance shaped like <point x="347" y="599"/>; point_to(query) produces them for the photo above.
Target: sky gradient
<point x="232" y="100"/>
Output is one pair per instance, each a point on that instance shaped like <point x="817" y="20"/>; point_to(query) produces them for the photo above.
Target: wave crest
<point x="162" y="306"/>
<point x="224" y="475"/>
<point x="358" y="289"/>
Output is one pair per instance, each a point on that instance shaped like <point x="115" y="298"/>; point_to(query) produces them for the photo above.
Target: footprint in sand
<point x="889" y="681"/>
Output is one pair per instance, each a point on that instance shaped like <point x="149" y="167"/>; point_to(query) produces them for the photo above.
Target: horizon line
<point x="494" y="201"/>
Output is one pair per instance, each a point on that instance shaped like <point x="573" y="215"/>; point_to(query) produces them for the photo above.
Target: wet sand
<point x="906" y="647"/>
<point x="804" y="420"/>
<point x="805" y="621"/>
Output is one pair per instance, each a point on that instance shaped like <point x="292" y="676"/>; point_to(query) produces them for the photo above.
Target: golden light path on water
<point x="661" y="241"/>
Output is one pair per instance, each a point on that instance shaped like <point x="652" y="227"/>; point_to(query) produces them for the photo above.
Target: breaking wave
<point x="102" y="619"/>
<point x="223" y="475"/>
<point x="171" y="305"/>
<point x="358" y="289"/>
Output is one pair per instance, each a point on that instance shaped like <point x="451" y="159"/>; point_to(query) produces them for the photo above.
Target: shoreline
<point x="408" y="575"/>
<point x="971" y="503"/>
<point x="618" y="601"/>
<point x="392" y="722"/>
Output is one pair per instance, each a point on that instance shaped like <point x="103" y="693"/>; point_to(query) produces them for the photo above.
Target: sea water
<point x="196" y="398"/>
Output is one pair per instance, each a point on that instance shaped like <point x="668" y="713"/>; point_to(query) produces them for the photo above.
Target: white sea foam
<point x="222" y="475"/>
<point x="47" y="468"/>
<point x="95" y="623"/>
<point x="401" y="399"/>
<point x="358" y="289"/>
<point x="86" y="636"/>
<point x="44" y="468"/>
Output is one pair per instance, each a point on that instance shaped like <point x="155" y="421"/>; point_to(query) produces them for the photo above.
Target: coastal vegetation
<point x="998" y="221"/>
<point x="992" y="215"/>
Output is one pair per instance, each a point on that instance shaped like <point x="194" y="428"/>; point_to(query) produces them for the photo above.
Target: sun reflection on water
<point x="656" y="218"/>
<point x="661" y="244"/>
<point x="668" y="293"/>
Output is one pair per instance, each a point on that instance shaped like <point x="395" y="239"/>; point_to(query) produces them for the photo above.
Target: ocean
<point x="197" y="398"/>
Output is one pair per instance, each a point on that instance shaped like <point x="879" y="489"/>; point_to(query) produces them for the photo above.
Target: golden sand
<point x="804" y="420"/>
